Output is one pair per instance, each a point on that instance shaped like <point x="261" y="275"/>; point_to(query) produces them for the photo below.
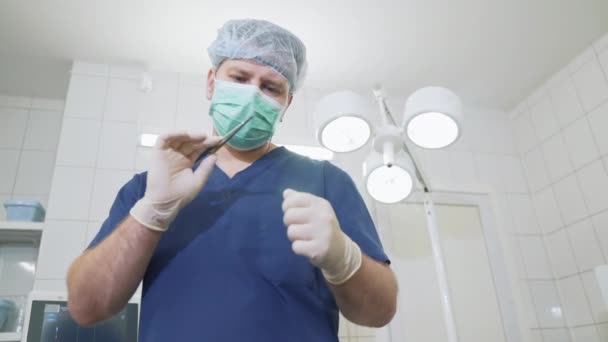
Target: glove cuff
<point x="350" y="264"/>
<point x="154" y="215"/>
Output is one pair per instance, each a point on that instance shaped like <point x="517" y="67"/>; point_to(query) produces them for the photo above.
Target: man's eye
<point x="272" y="90"/>
<point x="238" y="78"/>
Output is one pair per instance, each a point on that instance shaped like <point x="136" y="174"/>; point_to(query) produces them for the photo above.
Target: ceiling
<point x="491" y="52"/>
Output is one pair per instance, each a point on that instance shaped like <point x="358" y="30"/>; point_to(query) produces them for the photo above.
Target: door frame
<point x="486" y="201"/>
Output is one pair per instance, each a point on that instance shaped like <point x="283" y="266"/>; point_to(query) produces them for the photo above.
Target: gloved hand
<point x="315" y="232"/>
<point x="171" y="183"/>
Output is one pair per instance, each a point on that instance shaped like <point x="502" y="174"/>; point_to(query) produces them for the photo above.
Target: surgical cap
<point x="264" y="42"/>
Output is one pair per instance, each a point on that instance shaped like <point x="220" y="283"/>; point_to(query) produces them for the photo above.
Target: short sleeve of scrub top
<point x="353" y="216"/>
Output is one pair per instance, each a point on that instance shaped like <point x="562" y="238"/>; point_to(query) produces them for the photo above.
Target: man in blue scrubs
<point x="253" y="243"/>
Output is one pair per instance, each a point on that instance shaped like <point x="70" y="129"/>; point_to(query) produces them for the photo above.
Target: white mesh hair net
<point x="264" y="42"/>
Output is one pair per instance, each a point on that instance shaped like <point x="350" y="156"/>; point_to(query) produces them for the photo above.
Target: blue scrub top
<point x="225" y="270"/>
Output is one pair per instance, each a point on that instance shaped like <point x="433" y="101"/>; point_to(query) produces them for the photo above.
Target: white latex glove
<point x="171" y="183"/>
<point x="313" y="228"/>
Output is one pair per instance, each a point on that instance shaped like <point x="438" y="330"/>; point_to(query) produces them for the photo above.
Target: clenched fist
<point x="315" y="232"/>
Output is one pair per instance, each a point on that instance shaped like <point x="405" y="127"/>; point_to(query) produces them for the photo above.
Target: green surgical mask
<point x="233" y="103"/>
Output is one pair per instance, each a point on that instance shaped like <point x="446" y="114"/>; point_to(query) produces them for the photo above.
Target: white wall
<point x="561" y="131"/>
<point x="29" y="132"/>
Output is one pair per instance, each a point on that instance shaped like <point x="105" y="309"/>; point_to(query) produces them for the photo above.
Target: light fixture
<point x="431" y="120"/>
<point x="342" y="121"/>
<point x="432" y="117"/>
<point x="388" y="184"/>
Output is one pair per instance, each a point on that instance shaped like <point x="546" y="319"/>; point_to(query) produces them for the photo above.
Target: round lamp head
<point x="388" y="184"/>
<point x="433" y="117"/>
<point x="342" y="121"/>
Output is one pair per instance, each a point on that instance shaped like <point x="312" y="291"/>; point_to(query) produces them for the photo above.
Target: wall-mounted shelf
<point x="20" y="231"/>
<point x="10" y="337"/>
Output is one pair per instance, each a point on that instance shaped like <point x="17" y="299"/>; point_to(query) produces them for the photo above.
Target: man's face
<point x="249" y="72"/>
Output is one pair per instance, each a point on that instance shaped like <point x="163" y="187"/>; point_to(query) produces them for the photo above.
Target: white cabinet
<point x="19" y="242"/>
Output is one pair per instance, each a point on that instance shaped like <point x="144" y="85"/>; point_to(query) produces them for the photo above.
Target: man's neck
<point x="230" y="154"/>
<point x="232" y="161"/>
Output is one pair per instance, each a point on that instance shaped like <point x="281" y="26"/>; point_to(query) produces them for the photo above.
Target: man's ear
<point x="210" y="83"/>
<point x="286" y="107"/>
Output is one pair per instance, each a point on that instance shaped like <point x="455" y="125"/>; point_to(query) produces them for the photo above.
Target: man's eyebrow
<point x="275" y="81"/>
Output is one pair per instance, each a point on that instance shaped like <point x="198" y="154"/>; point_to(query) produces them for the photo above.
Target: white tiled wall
<point x="561" y="133"/>
<point x="29" y="134"/>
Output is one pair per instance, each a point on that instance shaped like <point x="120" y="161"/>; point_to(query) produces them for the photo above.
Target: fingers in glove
<point x="175" y="140"/>
<point x="295" y="199"/>
<point x="202" y="146"/>
<point x="297" y="232"/>
<point x="304" y="248"/>
<point x="297" y="216"/>
<point x="204" y="169"/>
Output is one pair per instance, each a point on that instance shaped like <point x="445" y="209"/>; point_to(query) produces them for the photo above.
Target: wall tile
<point x="159" y="106"/>
<point x="574" y="301"/>
<point x="586" y="247"/>
<point x="43" y="130"/>
<point x="591" y="84"/>
<point x="462" y="165"/>
<point x="199" y="80"/>
<point x="547" y="304"/>
<point x="566" y="103"/>
<point x="70" y="193"/>
<point x="543" y="119"/>
<point x="579" y="141"/>
<point x="12" y="130"/>
<point x="524" y="132"/>
<point x="556" y="158"/>
<point x="123" y="100"/>
<point x="594" y="184"/>
<point x="535" y="259"/>
<point x="600" y="223"/>
<point x="570" y="199"/>
<point x="522" y="209"/>
<point x="8" y="171"/>
<point x="598" y="120"/>
<point x="534" y="165"/>
<point x="586" y="334"/>
<point x="560" y="254"/>
<point x="131" y="72"/>
<point x="547" y="211"/>
<point x="117" y="146"/>
<point x="79" y="142"/>
<point x="35" y="173"/>
<point x="86" y="96"/>
<point x="437" y="170"/>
